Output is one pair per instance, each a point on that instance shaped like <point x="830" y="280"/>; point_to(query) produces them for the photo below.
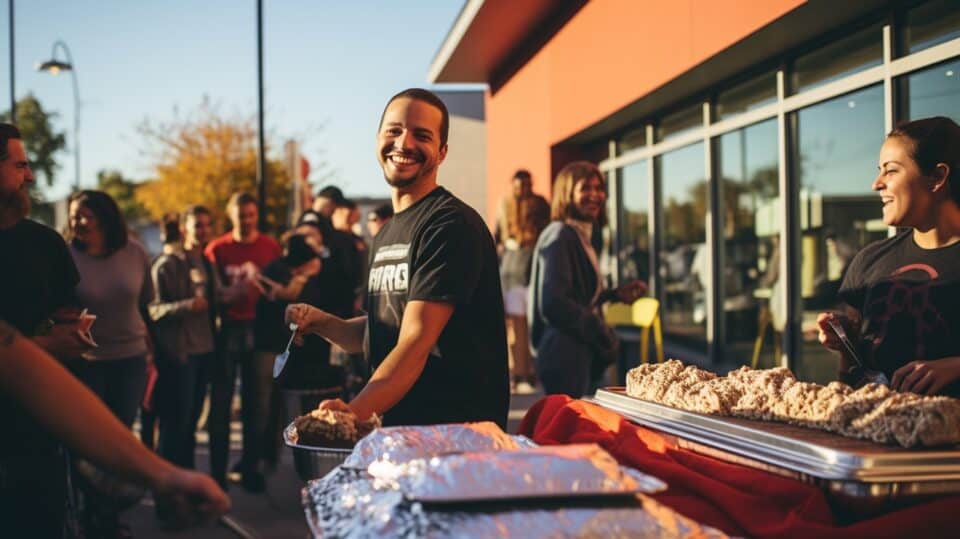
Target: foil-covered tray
<point x="545" y="472"/>
<point x="402" y="444"/>
<point x="846" y="468"/>
<point x="350" y="504"/>
<point x="312" y="462"/>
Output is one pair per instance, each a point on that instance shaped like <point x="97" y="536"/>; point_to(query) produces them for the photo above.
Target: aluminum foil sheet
<point x="545" y="472"/>
<point x="346" y="503"/>
<point x="402" y="444"/>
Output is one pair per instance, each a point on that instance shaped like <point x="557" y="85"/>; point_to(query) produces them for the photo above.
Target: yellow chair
<point x="645" y="314"/>
<point x="765" y="319"/>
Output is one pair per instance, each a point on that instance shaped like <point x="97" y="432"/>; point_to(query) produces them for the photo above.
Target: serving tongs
<point x="866" y="375"/>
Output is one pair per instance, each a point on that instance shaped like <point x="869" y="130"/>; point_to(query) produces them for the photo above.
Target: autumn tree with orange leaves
<point x="205" y="157"/>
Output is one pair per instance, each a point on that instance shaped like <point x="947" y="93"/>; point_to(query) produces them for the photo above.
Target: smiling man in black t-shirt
<point x="434" y="333"/>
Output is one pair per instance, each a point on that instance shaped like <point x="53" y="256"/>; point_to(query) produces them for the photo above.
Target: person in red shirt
<point x="238" y="256"/>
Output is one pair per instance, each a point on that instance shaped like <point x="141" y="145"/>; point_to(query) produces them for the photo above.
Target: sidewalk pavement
<point x="275" y="514"/>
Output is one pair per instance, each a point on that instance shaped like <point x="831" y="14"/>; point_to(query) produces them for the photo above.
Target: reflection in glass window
<point x="835" y="161"/>
<point x="635" y="138"/>
<point x="842" y="57"/>
<point x="680" y="122"/>
<point x="684" y="260"/>
<point x="932" y="92"/>
<point x="930" y="24"/>
<point x="747" y="96"/>
<point x="634" y="256"/>
<point x="750" y="227"/>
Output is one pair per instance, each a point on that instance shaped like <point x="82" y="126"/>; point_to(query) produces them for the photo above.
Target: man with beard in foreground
<point x="37" y="288"/>
<point x="434" y="331"/>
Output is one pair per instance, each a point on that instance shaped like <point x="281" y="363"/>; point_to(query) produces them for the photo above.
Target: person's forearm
<point x="347" y="334"/>
<point x="161" y="309"/>
<point x="390" y="382"/>
<point x="76" y="416"/>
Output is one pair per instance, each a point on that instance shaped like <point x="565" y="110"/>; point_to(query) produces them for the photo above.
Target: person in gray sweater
<point x="571" y="341"/>
<point x="114" y="285"/>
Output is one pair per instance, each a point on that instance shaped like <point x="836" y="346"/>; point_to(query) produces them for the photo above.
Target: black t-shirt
<point x="308" y="366"/>
<point x="909" y="298"/>
<point x="440" y="250"/>
<point x="37" y="277"/>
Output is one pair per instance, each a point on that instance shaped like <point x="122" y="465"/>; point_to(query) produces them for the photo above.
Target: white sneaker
<point x="524" y="388"/>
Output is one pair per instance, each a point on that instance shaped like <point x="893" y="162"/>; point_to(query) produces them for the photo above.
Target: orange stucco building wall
<point x="611" y="53"/>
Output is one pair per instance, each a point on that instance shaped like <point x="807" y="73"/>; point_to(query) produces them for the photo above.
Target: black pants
<point x="178" y="389"/>
<point x="236" y="350"/>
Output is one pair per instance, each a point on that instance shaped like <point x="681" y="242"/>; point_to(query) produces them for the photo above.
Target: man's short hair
<point x="346" y="203"/>
<point x="194" y="210"/>
<point x="241" y="199"/>
<point x="429" y="97"/>
<point x="7" y="132"/>
<point x="332" y="192"/>
<point x="522" y="174"/>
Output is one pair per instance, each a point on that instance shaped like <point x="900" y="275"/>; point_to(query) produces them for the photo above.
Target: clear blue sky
<point x="327" y="63"/>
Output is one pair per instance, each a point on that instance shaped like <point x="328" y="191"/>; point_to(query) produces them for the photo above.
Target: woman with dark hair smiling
<point x="573" y="343"/>
<point x="903" y="292"/>
<point x="115" y="285"/>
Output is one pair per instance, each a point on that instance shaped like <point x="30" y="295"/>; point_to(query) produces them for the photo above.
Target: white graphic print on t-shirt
<point x="388" y="273"/>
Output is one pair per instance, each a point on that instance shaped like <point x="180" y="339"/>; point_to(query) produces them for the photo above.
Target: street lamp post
<point x="261" y="146"/>
<point x="13" y="73"/>
<point x="54" y="67"/>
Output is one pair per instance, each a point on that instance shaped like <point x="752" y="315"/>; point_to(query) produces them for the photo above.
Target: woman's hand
<point x="632" y="291"/>
<point x="926" y="377"/>
<point x="828" y="337"/>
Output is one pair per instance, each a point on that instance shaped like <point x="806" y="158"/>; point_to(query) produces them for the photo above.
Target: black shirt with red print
<point x="909" y="298"/>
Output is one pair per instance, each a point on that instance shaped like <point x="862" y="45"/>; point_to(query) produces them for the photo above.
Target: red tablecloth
<point x="733" y="498"/>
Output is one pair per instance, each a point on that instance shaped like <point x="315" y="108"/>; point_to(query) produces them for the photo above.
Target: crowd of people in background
<point x="166" y="334"/>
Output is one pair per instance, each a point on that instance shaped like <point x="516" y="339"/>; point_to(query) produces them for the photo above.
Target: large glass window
<point x="633" y="257"/>
<point x="929" y="24"/>
<point x="680" y="122"/>
<point x="634" y="138"/>
<point x="684" y="260"/>
<point x="747" y="96"/>
<point x="749" y="228"/>
<point x="842" y="57"/>
<point x="934" y="91"/>
<point x="835" y="160"/>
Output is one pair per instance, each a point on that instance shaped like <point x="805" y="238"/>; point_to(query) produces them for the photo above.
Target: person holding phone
<point x="902" y="294"/>
<point x="239" y="256"/>
<point x="184" y="343"/>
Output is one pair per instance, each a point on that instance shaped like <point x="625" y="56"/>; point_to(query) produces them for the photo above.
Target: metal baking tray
<point x="313" y="462"/>
<point x="844" y="466"/>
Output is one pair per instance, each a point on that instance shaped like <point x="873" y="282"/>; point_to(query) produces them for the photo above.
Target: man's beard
<point x="401" y="183"/>
<point x="15" y="206"/>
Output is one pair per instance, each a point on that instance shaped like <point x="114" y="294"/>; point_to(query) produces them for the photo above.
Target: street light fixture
<point x="54" y="67"/>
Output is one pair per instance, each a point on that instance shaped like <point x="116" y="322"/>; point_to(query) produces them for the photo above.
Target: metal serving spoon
<point x="871" y="376"/>
<point x="281" y="359"/>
